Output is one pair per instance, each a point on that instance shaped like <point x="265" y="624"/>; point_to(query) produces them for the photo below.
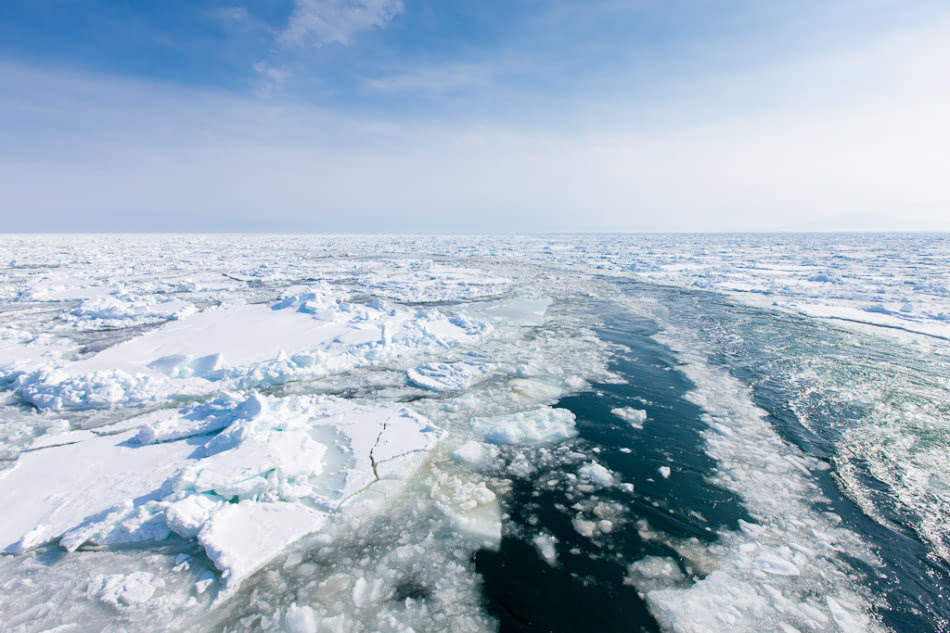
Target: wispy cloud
<point x="272" y="78"/>
<point x="336" y="21"/>
<point x="435" y="79"/>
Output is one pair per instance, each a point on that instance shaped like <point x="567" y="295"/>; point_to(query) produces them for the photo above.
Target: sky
<point x="405" y="116"/>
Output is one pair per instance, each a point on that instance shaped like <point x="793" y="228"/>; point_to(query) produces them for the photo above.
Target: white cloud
<point x="336" y="21"/>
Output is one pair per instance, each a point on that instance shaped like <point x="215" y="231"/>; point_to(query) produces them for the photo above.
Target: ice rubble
<point x="245" y="477"/>
<point x="307" y="333"/>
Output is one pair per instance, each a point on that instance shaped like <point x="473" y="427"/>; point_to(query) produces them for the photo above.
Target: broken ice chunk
<point x="636" y="417"/>
<point x="241" y="538"/>
<point x="446" y="376"/>
<point x="123" y="591"/>
<point x="538" y="425"/>
<point x="597" y="474"/>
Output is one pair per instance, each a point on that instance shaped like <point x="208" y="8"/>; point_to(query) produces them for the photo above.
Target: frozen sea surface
<point x="571" y="433"/>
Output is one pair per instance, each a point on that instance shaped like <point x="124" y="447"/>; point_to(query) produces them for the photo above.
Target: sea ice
<point x="300" y="619"/>
<point x="245" y="491"/>
<point x="636" y="417"/>
<point x="597" y="474"/>
<point x="538" y="425"/>
<point x="240" y="538"/>
<point x="446" y="376"/>
<point x="241" y="346"/>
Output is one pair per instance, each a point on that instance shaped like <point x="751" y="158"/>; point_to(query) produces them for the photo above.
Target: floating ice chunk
<point x="534" y="391"/>
<point x="205" y="580"/>
<point x="584" y="527"/>
<point x="664" y="472"/>
<point x="241" y="538"/>
<point x="597" y="474"/>
<point x="538" y="425"/>
<point x="636" y="417"/>
<point x="122" y="591"/>
<point x="522" y="311"/>
<point x="545" y="544"/>
<point x="471" y="505"/>
<point x="255" y="465"/>
<point x="300" y="619"/>
<point x="654" y="572"/>
<point x="120" y="309"/>
<point x="281" y="481"/>
<point x="124" y="524"/>
<point x="446" y="376"/>
<point x="772" y="562"/>
<point x="307" y="299"/>
<point x="474" y="453"/>
<point x="56" y="390"/>
<point x="718" y="603"/>
<point x="846" y="616"/>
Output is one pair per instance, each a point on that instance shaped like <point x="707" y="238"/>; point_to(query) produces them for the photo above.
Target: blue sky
<point x="405" y="116"/>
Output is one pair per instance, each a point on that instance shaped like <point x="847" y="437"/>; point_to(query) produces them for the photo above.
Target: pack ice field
<point x="567" y="433"/>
